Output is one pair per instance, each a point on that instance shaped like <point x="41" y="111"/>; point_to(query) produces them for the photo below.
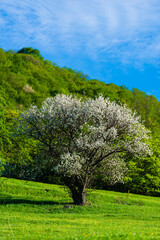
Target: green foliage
<point x="32" y="51"/>
<point x="4" y="130"/>
<point x="145" y="174"/>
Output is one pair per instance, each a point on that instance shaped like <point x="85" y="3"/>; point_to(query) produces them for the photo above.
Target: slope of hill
<point x="36" y="211"/>
<point x="26" y="78"/>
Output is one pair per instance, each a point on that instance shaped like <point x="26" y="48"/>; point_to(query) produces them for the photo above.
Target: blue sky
<point x="114" y="41"/>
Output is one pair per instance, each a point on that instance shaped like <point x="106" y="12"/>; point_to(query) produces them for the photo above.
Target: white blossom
<point x="81" y="135"/>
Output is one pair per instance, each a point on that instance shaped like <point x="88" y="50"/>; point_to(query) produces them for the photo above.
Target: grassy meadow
<point x="37" y="211"/>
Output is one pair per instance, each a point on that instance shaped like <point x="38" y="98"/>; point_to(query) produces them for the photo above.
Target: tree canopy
<point x="80" y="137"/>
<point x="32" y="51"/>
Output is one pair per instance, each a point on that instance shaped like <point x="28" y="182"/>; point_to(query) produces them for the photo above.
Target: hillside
<point x="26" y="78"/>
<point x="36" y="211"/>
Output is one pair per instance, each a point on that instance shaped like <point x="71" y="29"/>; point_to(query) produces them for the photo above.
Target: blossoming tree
<point x="81" y="137"/>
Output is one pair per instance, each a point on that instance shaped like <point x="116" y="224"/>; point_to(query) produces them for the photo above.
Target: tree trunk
<point x="77" y="189"/>
<point x="78" y="196"/>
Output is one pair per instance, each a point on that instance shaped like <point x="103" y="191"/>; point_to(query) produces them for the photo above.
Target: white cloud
<point x="124" y="30"/>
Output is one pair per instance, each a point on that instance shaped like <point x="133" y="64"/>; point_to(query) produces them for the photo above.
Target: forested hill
<point x="26" y="78"/>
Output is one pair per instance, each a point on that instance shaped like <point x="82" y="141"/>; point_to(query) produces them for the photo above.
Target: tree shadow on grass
<point x="9" y="200"/>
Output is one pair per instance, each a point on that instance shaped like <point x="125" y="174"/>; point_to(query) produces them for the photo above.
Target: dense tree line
<point x="26" y="79"/>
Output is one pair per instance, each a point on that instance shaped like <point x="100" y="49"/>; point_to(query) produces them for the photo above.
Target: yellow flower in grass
<point x="84" y="235"/>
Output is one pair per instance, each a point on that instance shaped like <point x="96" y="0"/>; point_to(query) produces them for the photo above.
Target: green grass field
<point x="38" y="211"/>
